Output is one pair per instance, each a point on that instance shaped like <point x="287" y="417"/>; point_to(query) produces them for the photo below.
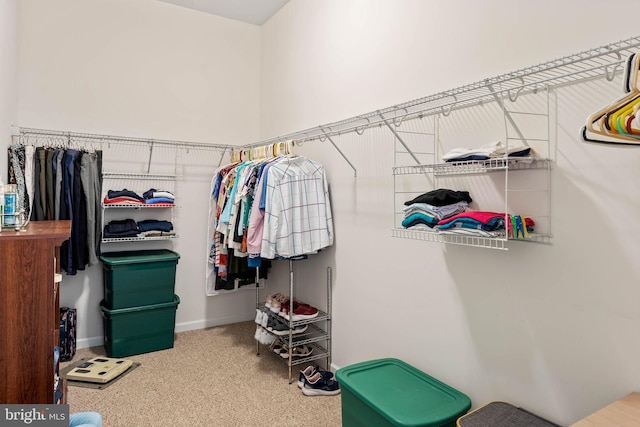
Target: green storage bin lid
<point x="403" y="394"/>
<point x="139" y="257"/>
<point x="108" y="313"/>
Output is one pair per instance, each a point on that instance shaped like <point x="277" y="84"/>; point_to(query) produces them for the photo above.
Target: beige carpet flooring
<point x="212" y="377"/>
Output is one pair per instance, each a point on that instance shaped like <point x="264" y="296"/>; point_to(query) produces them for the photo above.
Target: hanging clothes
<point x="266" y="209"/>
<point x="297" y="217"/>
<point x="62" y="184"/>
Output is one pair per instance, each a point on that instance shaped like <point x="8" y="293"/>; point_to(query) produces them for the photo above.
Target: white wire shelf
<point x="600" y="62"/>
<point x="137" y="239"/>
<point x="318" y="352"/>
<point x="500" y="243"/>
<point x="474" y="166"/>
<point x="73" y="138"/>
<point x="144" y="176"/>
<point x="312" y="334"/>
<point x="135" y="206"/>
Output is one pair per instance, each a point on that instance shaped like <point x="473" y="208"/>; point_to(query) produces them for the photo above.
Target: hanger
<point x="605" y="126"/>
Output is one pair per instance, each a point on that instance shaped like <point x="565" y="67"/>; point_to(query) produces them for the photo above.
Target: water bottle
<point x="1" y="205"/>
<point x="10" y="204"/>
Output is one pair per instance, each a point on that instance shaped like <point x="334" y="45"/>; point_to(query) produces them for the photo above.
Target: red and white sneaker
<point x="300" y="312"/>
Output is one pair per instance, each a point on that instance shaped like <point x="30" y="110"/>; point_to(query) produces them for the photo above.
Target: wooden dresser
<point x="29" y="311"/>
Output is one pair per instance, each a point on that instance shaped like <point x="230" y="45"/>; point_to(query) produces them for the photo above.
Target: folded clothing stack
<point x="488" y="151"/>
<point x="486" y="224"/>
<point x="122" y="197"/>
<point x="130" y="228"/>
<point x="156" y="197"/>
<point x="433" y="206"/>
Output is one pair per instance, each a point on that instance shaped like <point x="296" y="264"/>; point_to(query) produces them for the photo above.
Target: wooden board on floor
<point x="624" y="412"/>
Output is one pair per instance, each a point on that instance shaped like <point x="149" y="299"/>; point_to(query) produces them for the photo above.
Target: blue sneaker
<point x="309" y="371"/>
<point x="318" y="385"/>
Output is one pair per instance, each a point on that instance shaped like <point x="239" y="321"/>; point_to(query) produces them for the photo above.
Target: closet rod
<point x="97" y="138"/>
<point x="602" y="61"/>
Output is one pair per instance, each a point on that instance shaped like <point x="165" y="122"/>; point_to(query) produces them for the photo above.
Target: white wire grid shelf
<point x="499" y="243"/>
<point x="317" y="352"/>
<point x="141" y="176"/>
<point x="474" y="166"/>
<point x="135" y="206"/>
<point x="598" y="62"/>
<point x="138" y="239"/>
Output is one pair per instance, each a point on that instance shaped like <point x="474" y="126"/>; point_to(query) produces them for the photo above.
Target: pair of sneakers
<point x="263" y="336"/>
<point x="315" y="382"/>
<point x="278" y="327"/>
<point x="301" y="311"/>
<point x="274" y="302"/>
<point x="262" y="318"/>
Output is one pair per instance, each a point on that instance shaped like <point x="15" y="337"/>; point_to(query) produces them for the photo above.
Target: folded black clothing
<point x="468" y="158"/>
<point x="154" y="224"/>
<point x="441" y="197"/>
<point x="149" y="193"/>
<point x="522" y="153"/>
<point x="112" y="194"/>
<point x="111" y="235"/>
<point x="121" y="226"/>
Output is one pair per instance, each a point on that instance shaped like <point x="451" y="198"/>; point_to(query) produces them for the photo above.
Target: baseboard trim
<point x="180" y="327"/>
<point x="210" y="323"/>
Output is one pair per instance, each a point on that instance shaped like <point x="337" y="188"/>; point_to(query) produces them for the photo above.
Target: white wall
<point x="550" y="328"/>
<point x="8" y="75"/>
<point x="145" y="69"/>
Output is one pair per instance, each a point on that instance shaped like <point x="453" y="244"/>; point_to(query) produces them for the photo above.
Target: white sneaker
<point x="269" y="338"/>
<point x="259" y="315"/>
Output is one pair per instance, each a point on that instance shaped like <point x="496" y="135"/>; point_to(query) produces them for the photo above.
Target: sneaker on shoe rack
<point x="317" y="385"/>
<point x="259" y="314"/>
<point x="278" y="327"/>
<point x="270" y="298"/>
<point x="268" y="338"/>
<point x="277" y="302"/>
<point x="265" y="338"/>
<point x="279" y="347"/>
<point x="284" y="308"/>
<point x="275" y="306"/>
<point x="300" y="312"/>
<point x="309" y="371"/>
<point x="265" y="320"/>
<point x="300" y="351"/>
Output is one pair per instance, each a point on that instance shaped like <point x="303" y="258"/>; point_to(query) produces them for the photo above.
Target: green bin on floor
<point x="391" y="393"/>
<point x="137" y="330"/>
<point x="135" y="278"/>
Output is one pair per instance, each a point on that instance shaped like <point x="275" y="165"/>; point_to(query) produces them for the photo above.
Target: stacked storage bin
<point x="139" y="306"/>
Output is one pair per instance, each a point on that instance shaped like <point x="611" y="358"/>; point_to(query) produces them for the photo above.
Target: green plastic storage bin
<point x="135" y="278"/>
<point x="389" y="392"/>
<point x="137" y="330"/>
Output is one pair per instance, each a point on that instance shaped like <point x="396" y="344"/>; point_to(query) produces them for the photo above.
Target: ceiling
<point x="255" y="12"/>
